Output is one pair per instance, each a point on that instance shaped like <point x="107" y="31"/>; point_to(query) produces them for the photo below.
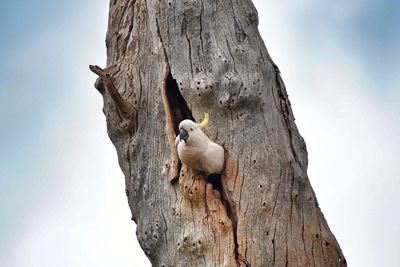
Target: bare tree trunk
<point x="171" y="60"/>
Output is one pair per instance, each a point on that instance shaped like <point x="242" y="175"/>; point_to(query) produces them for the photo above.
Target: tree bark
<point x="171" y="60"/>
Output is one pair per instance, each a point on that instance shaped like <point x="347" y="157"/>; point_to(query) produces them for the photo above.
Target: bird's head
<point x="190" y="131"/>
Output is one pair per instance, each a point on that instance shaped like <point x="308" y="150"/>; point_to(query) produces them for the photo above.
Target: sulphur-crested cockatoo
<point x="196" y="150"/>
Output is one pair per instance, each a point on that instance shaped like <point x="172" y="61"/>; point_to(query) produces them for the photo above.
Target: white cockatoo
<point x="196" y="150"/>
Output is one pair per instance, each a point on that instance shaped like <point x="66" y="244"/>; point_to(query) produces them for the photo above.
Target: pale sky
<point x="62" y="192"/>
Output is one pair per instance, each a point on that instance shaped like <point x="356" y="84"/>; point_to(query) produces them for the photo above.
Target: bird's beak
<point x="183" y="135"/>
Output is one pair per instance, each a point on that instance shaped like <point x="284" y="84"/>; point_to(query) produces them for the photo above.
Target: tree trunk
<point x="171" y="60"/>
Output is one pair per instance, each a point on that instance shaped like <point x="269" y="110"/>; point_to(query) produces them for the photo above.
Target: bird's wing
<point x="213" y="158"/>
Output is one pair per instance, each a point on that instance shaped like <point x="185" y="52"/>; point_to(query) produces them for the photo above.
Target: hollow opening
<point x="177" y="110"/>
<point x="176" y="103"/>
<point x="215" y="180"/>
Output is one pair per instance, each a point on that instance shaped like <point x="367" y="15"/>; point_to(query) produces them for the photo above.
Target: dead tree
<point x="172" y="60"/>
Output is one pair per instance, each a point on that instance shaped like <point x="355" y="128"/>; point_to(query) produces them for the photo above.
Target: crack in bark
<point x="285" y="111"/>
<point x="201" y="27"/>
<point x="233" y="217"/>
<point x="190" y="53"/>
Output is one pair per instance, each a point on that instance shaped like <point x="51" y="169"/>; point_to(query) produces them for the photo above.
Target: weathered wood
<point x="172" y="60"/>
<point x="109" y="84"/>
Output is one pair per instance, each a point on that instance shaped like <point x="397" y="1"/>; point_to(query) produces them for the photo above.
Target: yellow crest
<point x="204" y="123"/>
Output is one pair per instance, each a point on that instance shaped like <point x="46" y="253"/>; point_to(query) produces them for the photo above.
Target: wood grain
<point x="266" y="213"/>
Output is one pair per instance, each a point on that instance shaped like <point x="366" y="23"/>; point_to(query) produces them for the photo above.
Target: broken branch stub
<point x="112" y="90"/>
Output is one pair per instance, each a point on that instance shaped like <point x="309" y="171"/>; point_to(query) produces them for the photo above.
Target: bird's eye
<point x="191" y="129"/>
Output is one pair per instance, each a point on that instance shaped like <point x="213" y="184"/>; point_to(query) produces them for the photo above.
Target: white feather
<point x="199" y="152"/>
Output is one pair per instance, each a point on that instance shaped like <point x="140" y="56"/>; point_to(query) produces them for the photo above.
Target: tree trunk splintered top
<point x="174" y="60"/>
